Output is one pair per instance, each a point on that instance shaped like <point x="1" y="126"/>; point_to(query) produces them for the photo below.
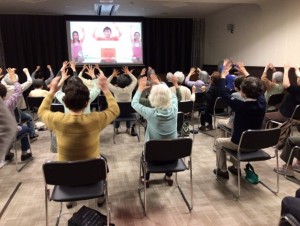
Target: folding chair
<point x="293" y="179"/>
<point x="290" y="219"/>
<point x="171" y="151"/>
<point x="250" y="149"/>
<point x="221" y="110"/>
<point x="127" y="113"/>
<point x="95" y="104"/>
<point x="187" y="108"/>
<point x="274" y="101"/>
<point x="57" y="107"/>
<point x="33" y="104"/>
<point x="74" y="181"/>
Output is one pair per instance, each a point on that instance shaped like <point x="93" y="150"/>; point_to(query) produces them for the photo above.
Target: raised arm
<point x="48" y="80"/>
<point x="28" y="82"/>
<point x="33" y="73"/>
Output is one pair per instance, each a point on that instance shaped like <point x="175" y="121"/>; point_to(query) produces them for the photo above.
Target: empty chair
<point x="33" y="104"/>
<point x="221" y="110"/>
<point x="169" y="153"/>
<point x="74" y="181"/>
<point x="127" y="113"/>
<point x="250" y="149"/>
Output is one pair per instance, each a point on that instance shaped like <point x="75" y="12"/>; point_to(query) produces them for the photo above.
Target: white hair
<point x="169" y="76"/>
<point x="180" y="76"/>
<point x="160" y="96"/>
<point x="203" y="76"/>
<point x="277" y="76"/>
<point x="8" y="81"/>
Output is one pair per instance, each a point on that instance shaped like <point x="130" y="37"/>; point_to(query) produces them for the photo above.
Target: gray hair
<point x="8" y="81"/>
<point x="169" y="76"/>
<point x="277" y="76"/>
<point x="180" y="76"/>
<point x="160" y="96"/>
<point x="203" y="76"/>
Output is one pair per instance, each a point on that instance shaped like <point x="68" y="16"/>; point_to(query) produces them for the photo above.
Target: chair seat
<point x="258" y="155"/>
<point x="69" y="193"/>
<point x="176" y="166"/>
<point x="225" y="128"/>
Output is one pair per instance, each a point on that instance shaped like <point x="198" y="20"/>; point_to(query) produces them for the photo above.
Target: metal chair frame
<point x="166" y="150"/>
<point x="74" y="181"/>
<point x="264" y="138"/>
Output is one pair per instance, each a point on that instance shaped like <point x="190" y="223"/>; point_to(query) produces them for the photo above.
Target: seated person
<point x="249" y="114"/>
<point x="192" y="79"/>
<point x="169" y="79"/>
<point x="290" y="205"/>
<point x="273" y="86"/>
<point x="211" y="95"/>
<point x="11" y="103"/>
<point x="38" y="89"/>
<point x="125" y="85"/>
<point x="291" y="100"/>
<point x="237" y="94"/>
<point x="185" y="92"/>
<point x="25" y="116"/>
<point x="39" y="74"/>
<point x="94" y="91"/>
<point x="161" y="117"/>
<point x="78" y="133"/>
<point x="285" y="154"/>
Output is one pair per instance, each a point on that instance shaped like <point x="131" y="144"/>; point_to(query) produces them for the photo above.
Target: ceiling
<point x="143" y="8"/>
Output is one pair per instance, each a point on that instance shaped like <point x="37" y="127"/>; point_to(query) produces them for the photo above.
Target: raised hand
<point x="142" y="84"/>
<point x="64" y="65"/>
<point x="55" y="84"/>
<point x="91" y="71"/>
<point x="115" y="72"/>
<point x="26" y="71"/>
<point x="126" y="70"/>
<point x="154" y="79"/>
<point x="72" y="65"/>
<point x="103" y="83"/>
<point x="143" y="72"/>
<point x="38" y="67"/>
<point x="49" y="67"/>
<point x="192" y="70"/>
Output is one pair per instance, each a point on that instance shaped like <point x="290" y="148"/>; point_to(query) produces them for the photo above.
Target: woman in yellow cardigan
<point x="77" y="133"/>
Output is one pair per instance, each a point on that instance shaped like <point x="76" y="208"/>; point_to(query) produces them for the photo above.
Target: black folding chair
<point x="171" y="151"/>
<point x="74" y="181"/>
<point x="127" y="113"/>
<point x="33" y="104"/>
<point x="187" y="108"/>
<point x="274" y="102"/>
<point x="250" y="150"/>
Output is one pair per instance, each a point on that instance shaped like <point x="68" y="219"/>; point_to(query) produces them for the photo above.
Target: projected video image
<point x="105" y="42"/>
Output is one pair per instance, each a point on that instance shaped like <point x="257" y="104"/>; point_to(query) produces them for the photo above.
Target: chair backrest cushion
<point x="168" y="150"/>
<point x="75" y="173"/>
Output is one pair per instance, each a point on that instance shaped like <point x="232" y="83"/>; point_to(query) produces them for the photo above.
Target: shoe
<point x="234" y="170"/>
<point x="142" y="182"/>
<point x="9" y="156"/>
<point x="25" y="157"/>
<point x="70" y="205"/>
<point x="282" y="170"/>
<point x="34" y="136"/>
<point x="100" y="201"/>
<point x="202" y="128"/>
<point x="169" y="180"/>
<point x="209" y="127"/>
<point x="296" y="167"/>
<point x="132" y="132"/>
<point x="220" y="173"/>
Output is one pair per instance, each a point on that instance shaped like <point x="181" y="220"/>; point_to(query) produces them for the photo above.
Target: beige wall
<point x="269" y="32"/>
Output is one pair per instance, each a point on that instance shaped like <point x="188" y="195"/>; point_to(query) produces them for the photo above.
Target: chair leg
<point x="46" y="204"/>
<point x="114" y="134"/>
<point x="293" y="179"/>
<point x="107" y="206"/>
<point x="59" y="215"/>
<point x="189" y="205"/>
<point x="142" y="170"/>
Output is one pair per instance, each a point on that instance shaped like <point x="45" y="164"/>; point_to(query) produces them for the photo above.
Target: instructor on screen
<point x="108" y="44"/>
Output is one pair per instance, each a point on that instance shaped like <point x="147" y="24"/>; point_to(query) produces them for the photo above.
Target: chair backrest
<point x="75" y="173"/>
<point x="259" y="139"/>
<point x="34" y="102"/>
<point x="275" y="99"/>
<point x="168" y="150"/>
<point x="220" y="104"/>
<point x="57" y="107"/>
<point x="102" y="102"/>
<point x="296" y="113"/>
<point x="200" y="100"/>
<point x="126" y="108"/>
<point x="179" y="121"/>
<point x="186" y="106"/>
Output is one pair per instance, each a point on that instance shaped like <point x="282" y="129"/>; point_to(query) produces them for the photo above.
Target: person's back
<point x="77" y="133"/>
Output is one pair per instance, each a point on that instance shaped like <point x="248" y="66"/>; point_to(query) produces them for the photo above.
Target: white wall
<point x="269" y="32"/>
